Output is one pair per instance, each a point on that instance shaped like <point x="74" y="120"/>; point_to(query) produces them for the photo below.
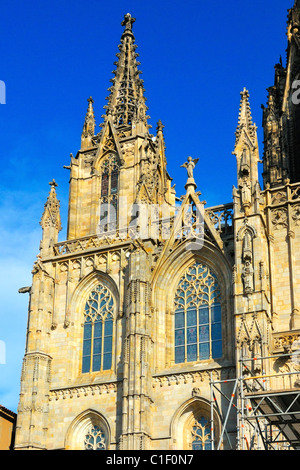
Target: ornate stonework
<point x="131" y="320"/>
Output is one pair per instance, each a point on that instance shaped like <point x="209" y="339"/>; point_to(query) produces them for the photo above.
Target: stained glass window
<point x="98" y="330"/>
<point x="201" y="435"/>
<point x="95" y="439"/>
<point x="198" y="327"/>
<point x="104" y="183"/>
<point x="114" y="181"/>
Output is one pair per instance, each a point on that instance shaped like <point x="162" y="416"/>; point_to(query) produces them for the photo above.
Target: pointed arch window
<point x="198" y="327"/>
<point x="110" y="170"/>
<point x="98" y="330"/>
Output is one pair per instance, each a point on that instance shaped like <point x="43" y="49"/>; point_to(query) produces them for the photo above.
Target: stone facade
<point x="145" y="381"/>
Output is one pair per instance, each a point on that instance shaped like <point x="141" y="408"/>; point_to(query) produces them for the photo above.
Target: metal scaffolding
<point x="262" y="410"/>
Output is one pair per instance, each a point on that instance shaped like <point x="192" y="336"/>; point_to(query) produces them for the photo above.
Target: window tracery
<point x="198" y="328"/>
<point x="95" y="439"/>
<point x="201" y="434"/>
<point x="98" y="330"/>
<point x="110" y="170"/>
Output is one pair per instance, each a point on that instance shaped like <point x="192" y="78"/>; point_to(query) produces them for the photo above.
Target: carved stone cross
<point x="128" y="22"/>
<point x="53" y="184"/>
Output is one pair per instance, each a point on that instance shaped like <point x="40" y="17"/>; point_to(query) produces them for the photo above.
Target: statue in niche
<point x="246" y="194"/>
<point x="245" y="163"/>
<point x="256" y="347"/>
<point x="247" y="276"/>
<point x="248" y="271"/>
<point x="247" y="247"/>
<point x="245" y="349"/>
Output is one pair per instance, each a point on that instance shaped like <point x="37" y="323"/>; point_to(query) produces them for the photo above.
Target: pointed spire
<point x="126" y="102"/>
<point x="245" y="117"/>
<point x="51" y="215"/>
<point x="247" y="153"/>
<point x="88" y="131"/>
<point x="50" y="221"/>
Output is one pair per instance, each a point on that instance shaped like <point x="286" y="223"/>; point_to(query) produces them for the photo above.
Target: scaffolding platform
<point x="282" y="411"/>
<point x="267" y="418"/>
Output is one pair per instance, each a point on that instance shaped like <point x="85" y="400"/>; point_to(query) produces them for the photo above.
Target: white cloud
<point x="19" y="247"/>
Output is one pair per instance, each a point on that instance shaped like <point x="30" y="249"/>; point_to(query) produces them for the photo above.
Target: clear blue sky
<point x="196" y="57"/>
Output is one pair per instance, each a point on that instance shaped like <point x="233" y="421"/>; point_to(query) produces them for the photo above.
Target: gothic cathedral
<point x="161" y="324"/>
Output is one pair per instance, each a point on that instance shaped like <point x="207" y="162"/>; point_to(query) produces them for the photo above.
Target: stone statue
<point x="247" y="247"/>
<point x="190" y="165"/>
<point x="245" y="163"/>
<point x="246" y="194"/>
<point x="247" y="276"/>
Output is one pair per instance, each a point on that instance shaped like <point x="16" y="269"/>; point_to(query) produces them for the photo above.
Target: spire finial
<point x="160" y="126"/>
<point x="53" y="184"/>
<point x="128" y="22"/>
<point x="245" y="111"/>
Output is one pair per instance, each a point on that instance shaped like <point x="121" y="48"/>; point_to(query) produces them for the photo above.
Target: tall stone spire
<point x="126" y="102"/>
<point x="50" y="221"/>
<point x="245" y="122"/>
<point x="88" y="131"/>
<point x="246" y="152"/>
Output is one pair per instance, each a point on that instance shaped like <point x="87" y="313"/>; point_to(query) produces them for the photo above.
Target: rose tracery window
<point x="109" y="193"/>
<point x="95" y="439"/>
<point x="198" y="328"/>
<point x="98" y="330"/>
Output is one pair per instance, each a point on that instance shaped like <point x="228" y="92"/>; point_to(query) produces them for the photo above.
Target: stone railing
<point x="222" y="218"/>
<point x="288" y="342"/>
<point x="283" y="194"/>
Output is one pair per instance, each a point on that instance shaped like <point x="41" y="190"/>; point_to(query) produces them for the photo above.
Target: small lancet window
<point x="98" y="330"/>
<point x="198" y="327"/>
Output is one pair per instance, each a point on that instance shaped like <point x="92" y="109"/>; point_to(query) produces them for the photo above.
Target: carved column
<point x="137" y="358"/>
<point x="32" y="421"/>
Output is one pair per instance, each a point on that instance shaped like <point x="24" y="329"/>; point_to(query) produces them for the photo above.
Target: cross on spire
<point x="53" y="184"/>
<point x="128" y="22"/>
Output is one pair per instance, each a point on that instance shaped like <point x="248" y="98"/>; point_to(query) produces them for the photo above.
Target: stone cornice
<point x="83" y="390"/>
